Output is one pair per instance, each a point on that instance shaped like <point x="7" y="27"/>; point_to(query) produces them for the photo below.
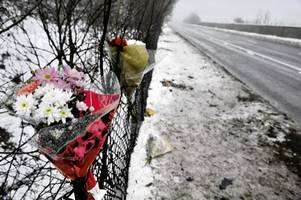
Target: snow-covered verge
<point x="227" y="142"/>
<point x="272" y="38"/>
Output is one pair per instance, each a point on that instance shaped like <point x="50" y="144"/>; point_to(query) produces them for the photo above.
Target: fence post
<point x="79" y="188"/>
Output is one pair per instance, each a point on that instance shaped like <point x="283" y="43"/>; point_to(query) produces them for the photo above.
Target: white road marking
<point x="253" y="53"/>
<point x="279" y="62"/>
<point x="267" y="58"/>
<point x="248" y="51"/>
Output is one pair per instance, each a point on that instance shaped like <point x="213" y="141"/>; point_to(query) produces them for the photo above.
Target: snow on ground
<point x="19" y="59"/>
<point x="272" y="38"/>
<point x="227" y="142"/>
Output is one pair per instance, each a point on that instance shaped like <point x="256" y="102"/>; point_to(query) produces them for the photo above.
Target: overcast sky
<point x="282" y="11"/>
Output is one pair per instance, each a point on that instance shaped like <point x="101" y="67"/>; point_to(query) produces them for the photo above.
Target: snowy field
<point x="211" y="137"/>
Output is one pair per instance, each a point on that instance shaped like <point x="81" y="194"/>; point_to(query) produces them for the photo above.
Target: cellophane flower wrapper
<point x="73" y="142"/>
<point x="74" y="146"/>
<point x="133" y="63"/>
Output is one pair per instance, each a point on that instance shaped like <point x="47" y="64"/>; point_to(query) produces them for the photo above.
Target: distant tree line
<point x="193" y="18"/>
<point x="262" y="18"/>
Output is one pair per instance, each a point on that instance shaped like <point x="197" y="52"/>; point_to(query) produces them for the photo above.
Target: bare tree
<point x="238" y="20"/>
<point x="267" y="18"/>
<point x="13" y="12"/>
<point x="146" y="18"/>
<point x="193" y="18"/>
<point x="259" y="18"/>
<point x="263" y="18"/>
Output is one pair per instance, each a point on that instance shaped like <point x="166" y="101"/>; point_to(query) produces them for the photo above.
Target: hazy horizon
<point x="282" y="12"/>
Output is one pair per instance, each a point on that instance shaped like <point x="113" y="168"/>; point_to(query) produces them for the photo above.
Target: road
<point x="273" y="70"/>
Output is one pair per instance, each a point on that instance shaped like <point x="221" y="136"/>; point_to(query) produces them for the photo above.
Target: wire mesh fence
<point x="28" y="175"/>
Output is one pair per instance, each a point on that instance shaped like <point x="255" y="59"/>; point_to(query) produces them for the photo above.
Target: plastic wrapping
<point x="75" y="133"/>
<point x="133" y="62"/>
<point x="73" y="147"/>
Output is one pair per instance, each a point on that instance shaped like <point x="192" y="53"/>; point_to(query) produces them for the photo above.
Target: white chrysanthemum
<point x="47" y="113"/>
<point x="63" y="114"/>
<point x="24" y="105"/>
<point x="66" y="96"/>
<point x="81" y="106"/>
<point x="42" y="90"/>
<point x="57" y="97"/>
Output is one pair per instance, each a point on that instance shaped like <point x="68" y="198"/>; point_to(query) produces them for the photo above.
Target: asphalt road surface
<point x="271" y="69"/>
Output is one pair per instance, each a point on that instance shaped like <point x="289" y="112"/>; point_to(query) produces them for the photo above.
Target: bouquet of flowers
<point x="71" y="114"/>
<point x="133" y="62"/>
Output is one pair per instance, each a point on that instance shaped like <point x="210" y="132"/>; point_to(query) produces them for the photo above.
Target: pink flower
<point x="73" y="76"/>
<point x="48" y="75"/>
<point x="81" y="106"/>
<point x="62" y="84"/>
